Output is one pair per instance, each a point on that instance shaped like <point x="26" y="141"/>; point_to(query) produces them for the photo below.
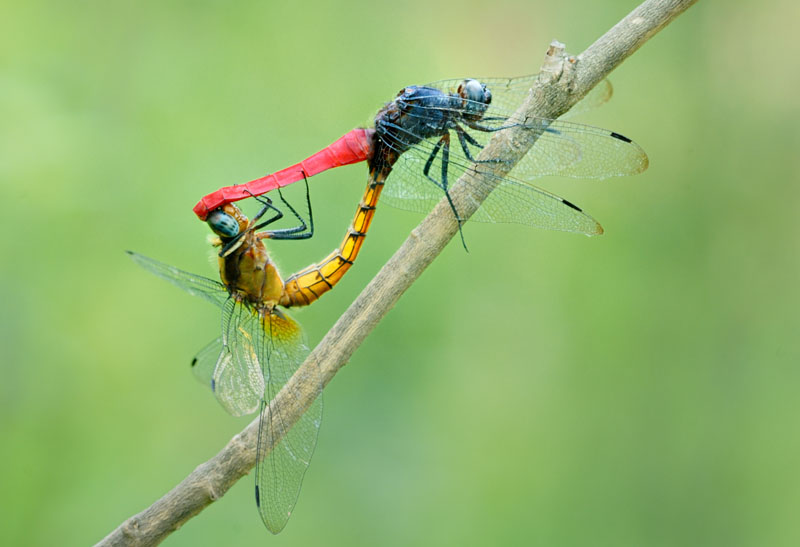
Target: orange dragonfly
<point x="261" y="346"/>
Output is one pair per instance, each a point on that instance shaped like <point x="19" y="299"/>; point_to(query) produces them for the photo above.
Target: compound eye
<point x="487" y="95"/>
<point x="223" y="224"/>
<point x="474" y="91"/>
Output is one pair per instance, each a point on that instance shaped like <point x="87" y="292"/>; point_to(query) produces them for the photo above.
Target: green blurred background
<point x="640" y="388"/>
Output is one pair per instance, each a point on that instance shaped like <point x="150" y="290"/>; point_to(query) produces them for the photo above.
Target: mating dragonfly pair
<point x="410" y="149"/>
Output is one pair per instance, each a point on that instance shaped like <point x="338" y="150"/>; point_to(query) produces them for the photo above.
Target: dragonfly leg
<point x="429" y="163"/>
<point x="303" y="231"/>
<point x="465" y="138"/>
<point x="486" y="129"/>
<point x="444" y="145"/>
<point x="267" y="206"/>
<point x="231" y="245"/>
<point x="540" y="124"/>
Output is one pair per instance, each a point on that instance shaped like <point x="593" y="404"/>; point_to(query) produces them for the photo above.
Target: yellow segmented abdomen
<point x="307" y="285"/>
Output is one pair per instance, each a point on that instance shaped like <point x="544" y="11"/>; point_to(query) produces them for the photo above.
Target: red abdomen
<point x="353" y="147"/>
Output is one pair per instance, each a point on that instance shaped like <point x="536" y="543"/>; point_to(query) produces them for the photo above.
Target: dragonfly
<point x="261" y="346"/>
<point x="430" y="135"/>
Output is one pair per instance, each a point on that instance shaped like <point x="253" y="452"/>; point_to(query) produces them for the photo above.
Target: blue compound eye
<point x="475" y="91"/>
<point x="223" y="224"/>
<point x="487" y="95"/>
<point x="477" y="94"/>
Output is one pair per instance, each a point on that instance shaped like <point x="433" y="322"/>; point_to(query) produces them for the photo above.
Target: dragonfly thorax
<point x="250" y="276"/>
<point x="422" y="112"/>
<point x="245" y="267"/>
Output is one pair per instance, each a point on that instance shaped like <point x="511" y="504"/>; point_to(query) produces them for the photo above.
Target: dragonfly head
<point x="476" y="94"/>
<point x="228" y="221"/>
<point x="230" y="224"/>
<point x="223" y="224"/>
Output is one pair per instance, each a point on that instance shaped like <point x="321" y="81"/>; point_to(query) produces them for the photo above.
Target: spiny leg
<point x="267" y="206"/>
<point x="541" y="124"/>
<point x="486" y="129"/>
<point x="444" y="145"/>
<point x="304" y="231"/>
<point x="303" y="225"/>
<point x="465" y="138"/>
<point x="431" y="157"/>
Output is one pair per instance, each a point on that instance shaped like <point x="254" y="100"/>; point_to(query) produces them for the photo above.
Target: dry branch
<point x="563" y="81"/>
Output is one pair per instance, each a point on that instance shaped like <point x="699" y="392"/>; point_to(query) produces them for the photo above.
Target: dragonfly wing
<point x="197" y="285"/>
<point x="205" y="361"/>
<point x="575" y="150"/>
<point x="509" y="93"/>
<point x="284" y="450"/>
<point x="232" y="375"/>
<point x="562" y="148"/>
<point x="237" y="379"/>
<point x="597" y="96"/>
<point x="511" y="201"/>
<point x="228" y="365"/>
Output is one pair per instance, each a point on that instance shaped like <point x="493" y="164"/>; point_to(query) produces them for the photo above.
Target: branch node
<point x="212" y="493"/>
<point x="553" y="64"/>
<point x="131" y="527"/>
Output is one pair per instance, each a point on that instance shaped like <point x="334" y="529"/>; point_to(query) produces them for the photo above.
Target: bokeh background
<point x="640" y="388"/>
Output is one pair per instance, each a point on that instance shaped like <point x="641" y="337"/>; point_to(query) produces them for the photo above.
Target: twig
<point x="563" y="81"/>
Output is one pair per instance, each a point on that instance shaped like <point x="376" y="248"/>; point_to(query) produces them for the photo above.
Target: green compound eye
<point x="223" y="224"/>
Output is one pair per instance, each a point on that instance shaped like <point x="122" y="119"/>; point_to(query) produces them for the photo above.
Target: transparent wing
<point x="597" y="96"/>
<point x="509" y="93"/>
<point x="197" y="285"/>
<point x="284" y="450"/>
<point x="575" y="150"/>
<point x="205" y="361"/>
<point x="229" y="364"/>
<point x="511" y="200"/>
<point x="563" y="148"/>
<point x="231" y="373"/>
<point x="236" y="379"/>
